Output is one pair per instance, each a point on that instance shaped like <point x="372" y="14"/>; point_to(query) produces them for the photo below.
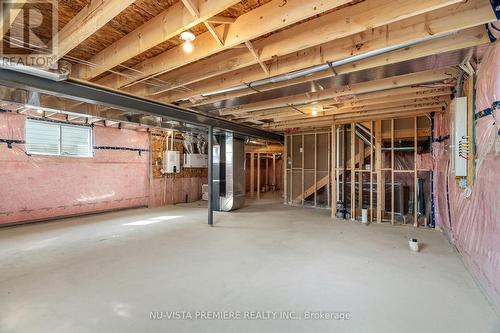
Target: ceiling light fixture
<point x="188" y="37"/>
<point x="315" y="110"/>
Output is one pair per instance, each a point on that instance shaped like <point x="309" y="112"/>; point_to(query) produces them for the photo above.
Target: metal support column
<point x="210" y="175"/>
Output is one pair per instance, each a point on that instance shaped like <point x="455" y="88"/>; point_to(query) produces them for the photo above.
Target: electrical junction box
<point x="195" y="161"/>
<point x="171" y="161"/>
<point x="460" y="142"/>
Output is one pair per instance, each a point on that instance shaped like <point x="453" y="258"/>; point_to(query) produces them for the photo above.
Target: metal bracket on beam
<point x="249" y="85"/>
<point x="330" y="64"/>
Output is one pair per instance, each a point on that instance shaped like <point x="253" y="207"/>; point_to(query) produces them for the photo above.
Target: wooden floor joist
<point x="168" y="24"/>
<point x="260" y="21"/>
<point x="443" y="21"/>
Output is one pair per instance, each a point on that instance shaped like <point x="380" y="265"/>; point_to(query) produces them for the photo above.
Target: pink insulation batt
<point x="474" y="226"/>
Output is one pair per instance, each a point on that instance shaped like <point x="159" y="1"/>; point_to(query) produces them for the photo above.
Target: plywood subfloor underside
<point x="96" y="273"/>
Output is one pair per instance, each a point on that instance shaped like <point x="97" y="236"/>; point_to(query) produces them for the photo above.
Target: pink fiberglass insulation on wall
<point x="40" y="187"/>
<point x="473" y="223"/>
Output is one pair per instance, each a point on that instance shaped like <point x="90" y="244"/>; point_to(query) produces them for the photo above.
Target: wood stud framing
<point x="353" y="170"/>
<point x="270" y="182"/>
<point x="378" y="167"/>
<point x="415" y="173"/>
<point x="315" y="169"/>
<point x="302" y="171"/>
<point x="334" y="169"/>
<point x="258" y="176"/>
<point x="286" y="198"/>
<point x="392" y="171"/>
<point x="371" y="171"/>
<point x="252" y="174"/>
<point x="377" y="170"/>
<point x="318" y="169"/>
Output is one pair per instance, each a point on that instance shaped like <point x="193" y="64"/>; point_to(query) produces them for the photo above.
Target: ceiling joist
<point x="161" y="28"/>
<point x="440" y="22"/>
<point x="300" y="47"/>
<point x="90" y="19"/>
<point x="267" y="46"/>
<point x="262" y="20"/>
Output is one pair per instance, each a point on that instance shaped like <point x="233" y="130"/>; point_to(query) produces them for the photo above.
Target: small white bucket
<point x="364" y="216"/>
<point x="413" y="244"/>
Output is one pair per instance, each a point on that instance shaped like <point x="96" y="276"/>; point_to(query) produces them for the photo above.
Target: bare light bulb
<point x="187" y="46"/>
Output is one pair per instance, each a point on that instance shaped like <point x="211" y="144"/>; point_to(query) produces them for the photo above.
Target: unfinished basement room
<point x="250" y="166"/>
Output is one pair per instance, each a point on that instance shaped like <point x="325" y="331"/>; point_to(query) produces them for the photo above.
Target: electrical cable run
<point x="139" y="150"/>
<point x="9" y="142"/>
<point x="487" y="111"/>
<point x="441" y="138"/>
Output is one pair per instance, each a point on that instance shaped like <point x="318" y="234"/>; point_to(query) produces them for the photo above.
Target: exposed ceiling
<point x="134" y="46"/>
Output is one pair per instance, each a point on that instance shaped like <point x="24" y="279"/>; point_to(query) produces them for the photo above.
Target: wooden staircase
<point x="319" y="185"/>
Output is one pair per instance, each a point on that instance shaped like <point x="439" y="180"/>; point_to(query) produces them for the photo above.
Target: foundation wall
<point x="37" y="187"/>
<point x="472" y="222"/>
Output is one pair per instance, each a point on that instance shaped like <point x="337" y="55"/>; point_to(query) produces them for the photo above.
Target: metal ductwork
<point x="188" y="142"/>
<point x="228" y="172"/>
<point x="61" y="74"/>
<point x="323" y="67"/>
<point x="201" y="143"/>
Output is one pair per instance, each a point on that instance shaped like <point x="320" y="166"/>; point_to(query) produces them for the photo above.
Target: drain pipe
<point x="320" y="68"/>
<point x="35" y="71"/>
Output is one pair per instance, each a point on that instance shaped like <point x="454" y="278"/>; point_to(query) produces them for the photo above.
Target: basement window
<point x="56" y="139"/>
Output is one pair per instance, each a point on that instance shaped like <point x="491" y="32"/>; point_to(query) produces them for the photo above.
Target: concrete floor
<point x="107" y="272"/>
